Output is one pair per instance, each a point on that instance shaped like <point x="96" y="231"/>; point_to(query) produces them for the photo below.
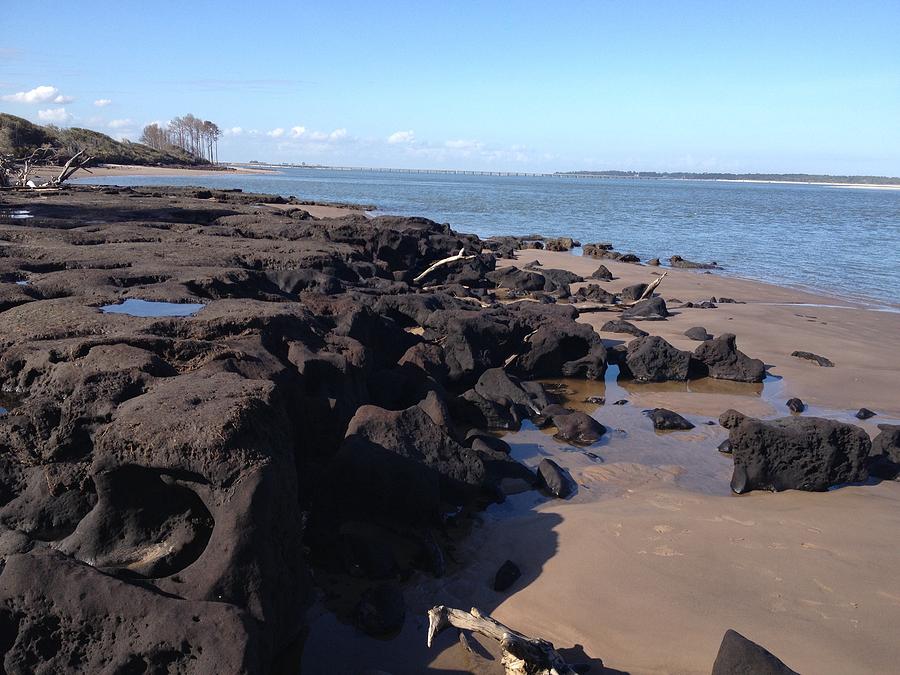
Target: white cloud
<point x="402" y="137"/>
<point x="102" y="102"/>
<point x="337" y="134"/>
<point x="54" y="115"/>
<point x="120" y="124"/>
<point x="324" y="137"/>
<point x="42" y="94"/>
<point x="464" y="145"/>
<point x="297" y="132"/>
<point x="234" y="131"/>
<point x="276" y="133"/>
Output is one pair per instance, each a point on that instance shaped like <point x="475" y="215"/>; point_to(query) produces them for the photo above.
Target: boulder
<point x="593" y="293"/>
<point x="556" y="481"/>
<point x="797" y="453"/>
<point x="725" y="447"/>
<point x="633" y="292"/>
<point x="666" y="420"/>
<point x="650" y="309"/>
<point x="653" y="262"/>
<point x="620" y="326"/>
<point x="562" y="347"/>
<point x="652" y="359"/>
<point x="721" y="360"/>
<point x="678" y="261"/>
<point x="739" y="656"/>
<point x="864" y="414"/>
<point x="577" y="427"/>
<point x="884" y="458"/>
<point x="731" y="418"/>
<point x="602" y="274"/>
<point x="698" y="333"/>
<point x="506" y="576"/>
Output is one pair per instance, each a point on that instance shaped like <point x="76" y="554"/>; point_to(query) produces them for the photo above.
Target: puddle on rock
<point x="16" y="214"/>
<point x="152" y="308"/>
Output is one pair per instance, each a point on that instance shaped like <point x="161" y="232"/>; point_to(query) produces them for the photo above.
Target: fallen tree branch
<point x="522" y="655"/>
<point x="71" y="167"/>
<point x="445" y="261"/>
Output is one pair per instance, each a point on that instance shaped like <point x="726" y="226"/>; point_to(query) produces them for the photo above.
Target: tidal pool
<point x="153" y="308"/>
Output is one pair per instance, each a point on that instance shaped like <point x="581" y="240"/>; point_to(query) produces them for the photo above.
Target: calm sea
<point x="839" y="240"/>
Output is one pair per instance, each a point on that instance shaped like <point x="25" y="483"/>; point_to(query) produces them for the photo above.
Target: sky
<point x="522" y="86"/>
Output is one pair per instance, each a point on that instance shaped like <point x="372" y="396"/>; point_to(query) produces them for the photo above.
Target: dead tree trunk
<point x="521" y="655"/>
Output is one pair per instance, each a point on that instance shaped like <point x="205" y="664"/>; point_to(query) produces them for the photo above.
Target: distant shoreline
<point x="776" y="179"/>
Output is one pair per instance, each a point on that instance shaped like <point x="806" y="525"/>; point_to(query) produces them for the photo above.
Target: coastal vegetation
<point x="199" y="138"/>
<point x="20" y="138"/>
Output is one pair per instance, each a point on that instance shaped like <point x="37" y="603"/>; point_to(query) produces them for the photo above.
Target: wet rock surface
<point x="667" y="420"/>
<point x="166" y="482"/>
<point x="720" y="358"/>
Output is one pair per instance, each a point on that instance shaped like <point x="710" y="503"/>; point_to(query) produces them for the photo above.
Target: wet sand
<point x="653" y="558"/>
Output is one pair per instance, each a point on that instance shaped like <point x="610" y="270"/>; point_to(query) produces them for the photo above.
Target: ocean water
<point x="843" y="241"/>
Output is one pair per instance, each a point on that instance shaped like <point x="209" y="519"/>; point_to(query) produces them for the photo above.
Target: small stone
<point x="864" y="414"/>
<point x="795" y="405"/>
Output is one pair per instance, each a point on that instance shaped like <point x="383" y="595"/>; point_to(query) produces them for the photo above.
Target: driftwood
<point x="522" y="655"/>
<point x="650" y="288"/>
<point x="15" y="172"/>
<point x="445" y="261"/>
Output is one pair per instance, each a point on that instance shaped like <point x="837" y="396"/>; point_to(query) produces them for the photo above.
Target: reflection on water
<point x="150" y="308"/>
<point x="633" y="452"/>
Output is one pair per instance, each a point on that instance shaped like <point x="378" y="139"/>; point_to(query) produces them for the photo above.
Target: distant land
<point x="638" y="175"/>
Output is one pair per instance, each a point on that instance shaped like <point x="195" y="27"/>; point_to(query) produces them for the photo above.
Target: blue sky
<point x="809" y="87"/>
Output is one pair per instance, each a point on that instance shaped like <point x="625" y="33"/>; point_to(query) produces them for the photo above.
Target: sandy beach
<point x="653" y="558"/>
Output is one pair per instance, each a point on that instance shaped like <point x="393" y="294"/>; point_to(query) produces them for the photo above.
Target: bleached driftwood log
<point x="71" y="167"/>
<point x="522" y="655"/>
<point x="440" y="263"/>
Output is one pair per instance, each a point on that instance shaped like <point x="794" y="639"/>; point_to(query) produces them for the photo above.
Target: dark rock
<point x="485" y="439"/>
<point x="577" y="427"/>
<point x="698" y="333"/>
<point x="620" y="326"/>
<point x="562" y="348"/>
<point x="629" y="258"/>
<point x="721" y="360"/>
<point x="595" y="400"/>
<point x="381" y="610"/>
<point x="797" y="453"/>
<point x="864" y="414"/>
<point x="725" y="447"/>
<point x="809" y="356"/>
<point x="506" y="576"/>
<point x="731" y="418"/>
<point x="632" y="293"/>
<point x="560" y="244"/>
<point x="602" y="274"/>
<point x="652" y="359"/>
<point x="651" y="309"/>
<point x="621" y="401"/>
<point x="653" y="262"/>
<point x="678" y="261"/>
<point x="739" y="656"/>
<point x="795" y="405"/>
<point x="593" y="293"/>
<point x="666" y="420"/>
<point x="556" y="481"/>
<point x="884" y="458"/>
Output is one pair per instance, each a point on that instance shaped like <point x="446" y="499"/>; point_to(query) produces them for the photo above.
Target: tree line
<point x="198" y="137"/>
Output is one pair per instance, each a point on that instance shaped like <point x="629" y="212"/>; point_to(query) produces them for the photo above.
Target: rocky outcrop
<point x="720" y="359"/>
<point x="738" y="655"/>
<point x="797" y="453"/>
<point x="651" y="309"/>
<point x="652" y="359"/>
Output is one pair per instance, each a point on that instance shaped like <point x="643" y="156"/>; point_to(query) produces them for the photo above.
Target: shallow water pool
<point x="152" y="308"/>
